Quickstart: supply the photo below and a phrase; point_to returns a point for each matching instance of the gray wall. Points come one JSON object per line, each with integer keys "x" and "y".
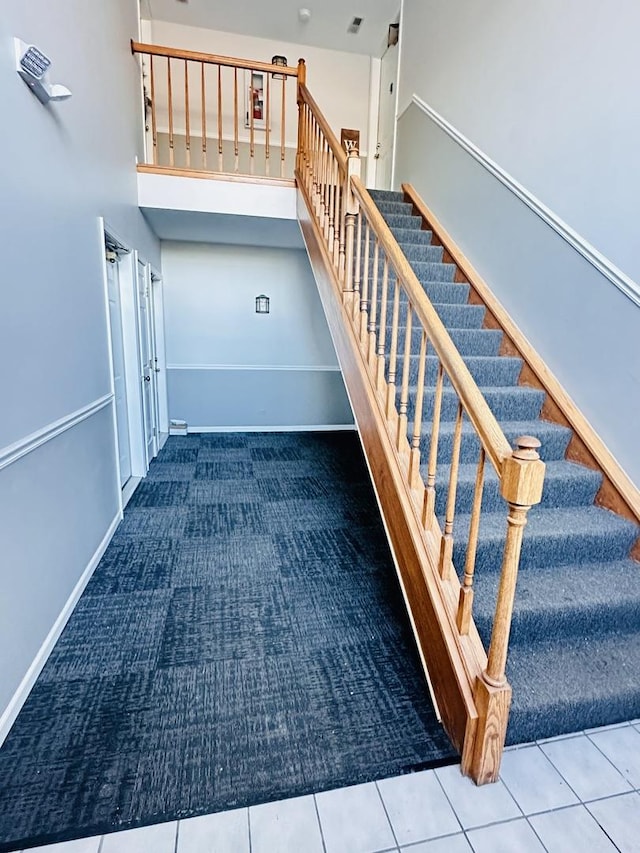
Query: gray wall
{"x": 227, "y": 365}
{"x": 544, "y": 90}
{"x": 61, "y": 167}
{"x": 549, "y": 91}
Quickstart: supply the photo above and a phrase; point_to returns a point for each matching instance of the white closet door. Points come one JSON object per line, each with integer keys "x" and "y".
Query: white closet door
{"x": 120, "y": 389}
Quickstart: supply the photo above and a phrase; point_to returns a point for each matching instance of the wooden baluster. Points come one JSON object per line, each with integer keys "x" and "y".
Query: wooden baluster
{"x": 521, "y": 483}
{"x": 267, "y": 129}
{"x": 382, "y": 336}
{"x": 283, "y": 127}
{"x": 330, "y": 194}
{"x": 302, "y": 123}
{"x": 465, "y": 603}
{"x": 325, "y": 188}
{"x": 203, "y": 107}
{"x": 251, "y": 126}
{"x": 429, "y": 509}
{"x": 357, "y": 273}
{"x": 342, "y": 234}
{"x": 393, "y": 350}
{"x": 170, "y": 102}
{"x": 187, "y": 118}
{"x": 220, "y": 146}
{"x": 414, "y": 458}
{"x": 371, "y": 354}
{"x": 235, "y": 120}
{"x": 401, "y": 435}
{"x": 364, "y": 286}
{"x": 154, "y": 127}
{"x": 337, "y": 198}
{"x": 446, "y": 544}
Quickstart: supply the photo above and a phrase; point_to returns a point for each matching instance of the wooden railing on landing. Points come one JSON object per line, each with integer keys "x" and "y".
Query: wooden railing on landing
{"x": 218, "y": 115}
{"x": 384, "y": 325}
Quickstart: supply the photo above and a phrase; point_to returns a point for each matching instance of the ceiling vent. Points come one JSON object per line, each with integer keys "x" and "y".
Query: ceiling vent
{"x": 354, "y": 26}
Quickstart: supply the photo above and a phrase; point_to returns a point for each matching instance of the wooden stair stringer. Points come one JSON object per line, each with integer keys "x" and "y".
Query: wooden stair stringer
{"x": 453, "y": 663}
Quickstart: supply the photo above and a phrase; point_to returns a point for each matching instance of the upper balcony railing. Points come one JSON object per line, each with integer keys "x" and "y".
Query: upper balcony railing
{"x": 219, "y": 114}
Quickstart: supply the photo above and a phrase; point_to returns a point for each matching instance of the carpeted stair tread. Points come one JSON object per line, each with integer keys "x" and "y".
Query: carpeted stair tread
{"x": 507, "y": 403}
{"x": 568, "y": 686}
{"x": 486, "y": 370}
{"x": 405, "y": 208}
{"x": 565, "y": 484}
{"x": 411, "y": 235}
{"x": 475, "y": 341}
{"x": 462, "y": 316}
{"x": 386, "y": 195}
{"x": 557, "y": 536}
{"x": 399, "y": 220}
{"x": 565, "y": 601}
{"x": 439, "y": 291}
{"x": 554, "y": 438}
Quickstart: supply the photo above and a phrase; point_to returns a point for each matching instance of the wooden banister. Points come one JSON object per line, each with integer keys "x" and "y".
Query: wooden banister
{"x": 212, "y": 59}
{"x": 481, "y": 416}
{"x": 381, "y": 305}
{"x": 252, "y": 130}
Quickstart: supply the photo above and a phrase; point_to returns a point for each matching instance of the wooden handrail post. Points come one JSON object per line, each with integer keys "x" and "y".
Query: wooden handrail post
{"x": 351, "y": 211}
{"x": 521, "y": 486}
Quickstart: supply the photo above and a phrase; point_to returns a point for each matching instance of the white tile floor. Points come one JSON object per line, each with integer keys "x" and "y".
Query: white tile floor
{"x": 575, "y": 793}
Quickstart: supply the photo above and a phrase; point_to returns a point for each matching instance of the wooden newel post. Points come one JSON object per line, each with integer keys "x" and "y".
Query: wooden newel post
{"x": 521, "y": 486}
{"x": 352, "y": 208}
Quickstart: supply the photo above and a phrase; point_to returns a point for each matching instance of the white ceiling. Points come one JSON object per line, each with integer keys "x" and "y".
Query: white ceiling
{"x": 278, "y": 19}
{"x": 197, "y": 227}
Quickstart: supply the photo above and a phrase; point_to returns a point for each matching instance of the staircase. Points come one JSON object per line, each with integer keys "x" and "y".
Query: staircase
{"x": 574, "y": 656}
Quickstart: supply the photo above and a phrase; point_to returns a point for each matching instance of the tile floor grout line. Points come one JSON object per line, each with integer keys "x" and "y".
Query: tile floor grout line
{"x": 533, "y": 829}
{"x": 175, "y": 849}
{"x": 249, "y": 829}
{"x": 315, "y": 803}
{"x": 575, "y": 793}
{"x": 602, "y": 827}
{"x": 384, "y": 806}
{"x": 446, "y": 796}
{"x": 619, "y": 769}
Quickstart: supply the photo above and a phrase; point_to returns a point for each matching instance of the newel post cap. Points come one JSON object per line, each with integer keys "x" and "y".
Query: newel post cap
{"x": 523, "y": 473}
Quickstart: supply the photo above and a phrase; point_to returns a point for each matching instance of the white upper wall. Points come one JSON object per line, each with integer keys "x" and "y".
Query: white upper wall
{"x": 549, "y": 91}
{"x": 339, "y": 81}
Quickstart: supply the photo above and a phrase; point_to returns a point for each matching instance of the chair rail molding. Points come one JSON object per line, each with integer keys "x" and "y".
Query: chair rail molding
{"x": 12, "y": 452}
{"x": 604, "y": 265}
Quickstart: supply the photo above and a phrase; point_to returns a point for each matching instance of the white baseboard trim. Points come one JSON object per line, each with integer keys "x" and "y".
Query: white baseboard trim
{"x": 25, "y": 445}
{"x": 129, "y": 488}
{"x": 306, "y": 368}
{"x": 20, "y": 696}
{"x": 604, "y": 265}
{"x": 309, "y": 428}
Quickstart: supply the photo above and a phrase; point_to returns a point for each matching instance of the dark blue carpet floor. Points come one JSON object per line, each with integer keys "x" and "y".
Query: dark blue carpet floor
{"x": 243, "y": 639}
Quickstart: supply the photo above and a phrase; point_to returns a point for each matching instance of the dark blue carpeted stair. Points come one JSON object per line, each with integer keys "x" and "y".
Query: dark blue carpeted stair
{"x": 574, "y": 659}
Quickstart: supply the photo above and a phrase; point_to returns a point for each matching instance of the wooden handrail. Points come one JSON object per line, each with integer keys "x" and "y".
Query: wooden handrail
{"x": 212, "y": 59}
{"x": 338, "y": 151}
{"x": 495, "y": 443}
{"x": 609, "y": 465}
